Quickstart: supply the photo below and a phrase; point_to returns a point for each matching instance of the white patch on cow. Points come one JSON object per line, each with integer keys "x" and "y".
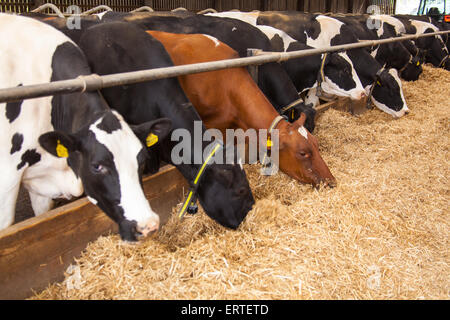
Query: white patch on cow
{"x": 271, "y": 32}
{"x": 92, "y": 200}
{"x": 396, "y": 23}
{"x": 311, "y": 97}
{"x": 249, "y": 17}
{"x": 374, "y": 52}
{"x": 233, "y": 29}
{"x": 216, "y": 42}
{"x": 303, "y": 132}
{"x": 422, "y": 26}
{"x": 26, "y": 51}
{"x": 40, "y": 204}
{"x": 329, "y": 28}
{"x": 133, "y": 201}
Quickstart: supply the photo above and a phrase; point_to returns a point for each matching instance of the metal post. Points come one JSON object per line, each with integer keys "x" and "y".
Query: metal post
{"x": 253, "y": 69}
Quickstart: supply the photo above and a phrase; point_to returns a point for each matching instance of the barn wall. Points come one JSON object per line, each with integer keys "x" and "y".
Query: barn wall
{"x": 20, "y": 6}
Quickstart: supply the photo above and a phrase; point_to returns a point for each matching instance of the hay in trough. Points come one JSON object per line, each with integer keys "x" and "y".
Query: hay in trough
{"x": 382, "y": 233}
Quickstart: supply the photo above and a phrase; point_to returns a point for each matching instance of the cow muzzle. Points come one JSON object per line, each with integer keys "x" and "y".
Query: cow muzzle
{"x": 358, "y": 95}
{"x": 148, "y": 227}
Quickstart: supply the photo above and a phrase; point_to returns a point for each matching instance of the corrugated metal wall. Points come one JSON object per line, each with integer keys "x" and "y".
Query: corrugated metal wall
{"x": 15, "y": 5}
{"x": 342, "y": 6}
{"x": 19, "y": 6}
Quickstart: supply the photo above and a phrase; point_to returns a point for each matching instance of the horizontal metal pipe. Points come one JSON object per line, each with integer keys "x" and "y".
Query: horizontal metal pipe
{"x": 95, "y": 82}
{"x": 96, "y": 9}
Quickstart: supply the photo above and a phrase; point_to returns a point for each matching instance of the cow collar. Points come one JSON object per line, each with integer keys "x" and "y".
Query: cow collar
{"x": 190, "y": 204}
{"x": 272, "y": 126}
{"x": 321, "y": 74}
{"x": 377, "y": 78}
{"x": 409, "y": 62}
{"x": 290, "y": 107}
{"x": 444, "y": 60}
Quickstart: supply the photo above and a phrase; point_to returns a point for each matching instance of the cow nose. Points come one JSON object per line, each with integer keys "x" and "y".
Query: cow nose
{"x": 363, "y": 95}
{"x": 359, "y": 95}
{"x": 331, "y": 183}
{"x": 146, "y": 228}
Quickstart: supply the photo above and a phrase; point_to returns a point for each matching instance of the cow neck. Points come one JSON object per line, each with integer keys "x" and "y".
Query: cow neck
{"x": 72, "y": 112}
{"x": 255, "y": 112}
{"x": 190, "y": 204}
{"x": 366, "y": 66}
{"x": 286, "y": 92}
{"x": 185, "y": 117}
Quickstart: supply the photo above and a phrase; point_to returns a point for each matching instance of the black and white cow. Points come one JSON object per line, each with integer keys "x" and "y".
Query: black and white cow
{"x": 272, "y": 79}
{"x": 339, "y": 76}
{"x": 436, "y": 51}
{"x": 320, "y": 31}
{"x": 223, "y": 191}
{"x": 391, "y": 55}
{"x": 63, "y": 145}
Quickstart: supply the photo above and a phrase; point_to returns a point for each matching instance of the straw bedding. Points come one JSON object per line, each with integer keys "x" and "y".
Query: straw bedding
{"x": 382, "y": 233}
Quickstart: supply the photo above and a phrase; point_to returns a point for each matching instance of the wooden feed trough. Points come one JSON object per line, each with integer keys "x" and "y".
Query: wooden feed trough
{"x": 37, "y": 251}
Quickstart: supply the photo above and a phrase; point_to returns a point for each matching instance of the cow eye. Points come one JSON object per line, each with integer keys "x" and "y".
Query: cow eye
{"x": 304, "y": 154}
{"x": 98, "y": 168}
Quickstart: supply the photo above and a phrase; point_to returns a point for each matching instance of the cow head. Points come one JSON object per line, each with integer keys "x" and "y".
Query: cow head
{"x": 341, "y": 78}
{"x": 397, "y": 56}
{"x": 109, "y": 159}
{"x": 387, "y": 93}
{"x": 225, "y": 194}
{"x": 299, "y": 155}
{"x": 412, "y": 70}
{"x": 436, "y": 50}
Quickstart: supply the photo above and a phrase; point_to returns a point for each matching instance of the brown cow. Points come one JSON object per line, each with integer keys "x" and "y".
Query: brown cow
{"x": 230, "y": 99}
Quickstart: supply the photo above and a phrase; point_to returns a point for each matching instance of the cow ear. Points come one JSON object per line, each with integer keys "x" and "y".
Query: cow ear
{"x": 150, "y": 133}
{"x": 58, "y": 143}
{"x": 300, "y": 122}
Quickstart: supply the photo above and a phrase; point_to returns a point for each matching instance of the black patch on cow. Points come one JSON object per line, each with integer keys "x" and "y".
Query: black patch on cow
{"x": 31, "y": 157}
{"x": 313, "y": 29}
{"x": 13, "y": 109}
{"x": 72, "y": 111}
{"x": 16, "y": 142}
{"x": 109, "y": 123}
{"x": 339, "y": 71}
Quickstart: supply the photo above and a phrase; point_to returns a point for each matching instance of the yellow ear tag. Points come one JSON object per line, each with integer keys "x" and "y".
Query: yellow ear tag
{"x": 61, "y": 151}
{"x": 418, "y": 63}
{"x": 269, "y": 143}
{"x": 378, "y": 83}
{"x": 151, "y": 139}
